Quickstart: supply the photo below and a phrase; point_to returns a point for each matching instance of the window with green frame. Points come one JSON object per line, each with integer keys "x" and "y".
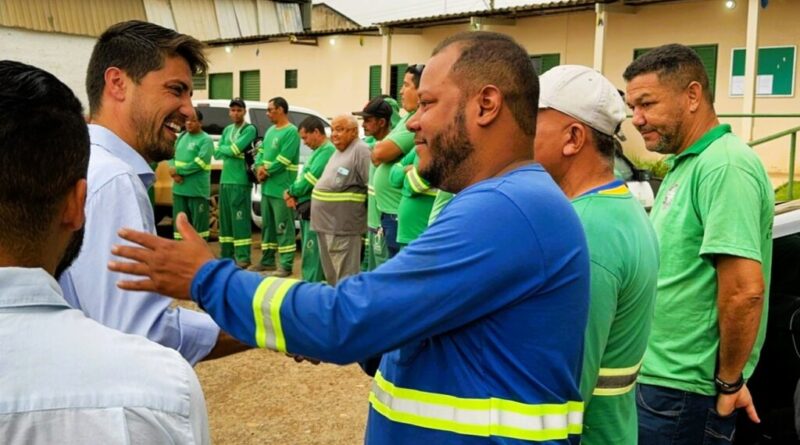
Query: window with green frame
{"x": 374, "y": 81}
{"x": 220, "y": 86}
{"x": 543, "y": 62}
{"x": 395, "y": 80}
{"x": 250, "y": 85}
{"x": 290, "y": 79}
{"x": 708, "y": 55}
{"x": 199, "y": 81}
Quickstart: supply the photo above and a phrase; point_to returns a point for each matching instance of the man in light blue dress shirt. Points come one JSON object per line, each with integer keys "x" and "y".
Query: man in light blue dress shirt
{"x": 65, "y": 378}
{"x": 139, "y": 84}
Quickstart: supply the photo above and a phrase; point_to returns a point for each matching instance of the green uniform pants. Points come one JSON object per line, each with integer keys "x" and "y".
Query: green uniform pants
{"x": 378, "y": 252}
{"x": 312, "y": 265}
{"x": 367, "y": 253}
{"x": 235, "y": 236}
{"x": 195, "y": 208}
{"x": 277, "y": 232}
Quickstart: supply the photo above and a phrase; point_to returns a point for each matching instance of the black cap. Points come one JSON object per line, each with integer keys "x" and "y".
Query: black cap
{"x": 377, "y": 107}
{"x": 237, "y": 102}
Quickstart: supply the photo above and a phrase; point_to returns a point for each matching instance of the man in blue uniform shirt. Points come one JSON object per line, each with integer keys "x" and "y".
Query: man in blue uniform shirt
{"x": 480, "y": 320}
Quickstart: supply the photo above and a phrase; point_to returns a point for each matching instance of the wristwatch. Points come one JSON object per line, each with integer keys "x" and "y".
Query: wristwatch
{"x": 724, "y": 387}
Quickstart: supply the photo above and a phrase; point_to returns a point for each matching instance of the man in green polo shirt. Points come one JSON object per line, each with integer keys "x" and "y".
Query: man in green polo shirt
{"x": 277, "y": 162}
{"x": 390, "y": 150}
{"x": 580, "y": 113}
{"x": 713, "y": 217}
{"x": 235, "y": 236}
{"x": 298, "y": 195}
{"x": 191, "y": 173}
{"x": 416, "y": 201}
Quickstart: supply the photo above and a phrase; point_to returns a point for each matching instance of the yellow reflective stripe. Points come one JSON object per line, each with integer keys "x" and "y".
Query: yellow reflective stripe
{"x": 266, "y": 311}
{"x": 242, "y": 242}
{"x": 616, "y": 381}
{"x": 431, "y": 192}
{"x": 310, "y": 178}
{"x": 416, "y": 182}
{"x": 476, "y": 417}
{"x": 177, "y": 236}
{"x": 205, "y": 234}
{"x": 181, "y": 164}
{"x": 287, "y": 249}
{"x": 371, "y": 190}
{"x": 292, "y": 168}
{"x": 621, "y": 190}
{"x": 225, "y": 239}
{"x": 338, "y": 196}
{"x": 283, "y": 160}
{"x": 235, "y": 150}
{"x": 268, "y": 246}
{"x": 201, "y": 163}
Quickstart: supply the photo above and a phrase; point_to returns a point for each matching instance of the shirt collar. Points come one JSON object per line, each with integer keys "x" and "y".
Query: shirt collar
{"x": 21, "y": 287}
{"x": 106, "y": 139}
{"x": 701, "y": 144}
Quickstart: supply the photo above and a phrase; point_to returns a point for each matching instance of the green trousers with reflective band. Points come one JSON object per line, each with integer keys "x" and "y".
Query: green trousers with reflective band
{"x": 235, "y": 236}
{"x": 195, "y": 208}
{"x": 277, "y": 232}
{"x": 375, "y": 252}
{"x": 312, "y": 266}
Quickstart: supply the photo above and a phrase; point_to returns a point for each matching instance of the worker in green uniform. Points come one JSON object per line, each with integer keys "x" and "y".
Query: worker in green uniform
{"x": 276, "y": 169}
{"x": 235, "y": 237}
{"x": 377, "y": 117}
{"x": 298, "y": 195}
{"x": 580, "y": 113}
{"x": 441, "y": 200}
{"x": 416, "y": 201}
{"x": 190, "y": 171}
{"x": 390, "y": 150}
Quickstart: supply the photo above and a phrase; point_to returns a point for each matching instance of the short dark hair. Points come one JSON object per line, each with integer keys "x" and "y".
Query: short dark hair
{"x": 312, "y": 123}
{"x": 493, "y": 58}
{"x": 137, "y": 48}
{"x": 44, "y": 152}
{"x": 416, "y": 73}
{"x": 673, "y": 63}
{"x": 280, "y": 103}
{"x": 605, "y": 144}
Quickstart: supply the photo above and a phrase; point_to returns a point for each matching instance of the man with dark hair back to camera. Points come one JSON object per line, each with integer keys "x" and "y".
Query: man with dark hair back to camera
{"x": 139, "y": 83}
{"x": 65, "y": 378}
{"x": 480, "y": 345}
{"x": 298, "y": 195}
{"x": 277, "y": 163}
{"x": 713, "y": 217}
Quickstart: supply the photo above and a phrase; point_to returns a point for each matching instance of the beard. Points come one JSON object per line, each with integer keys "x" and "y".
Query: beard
{"x": 150, "y": 139}
{"x": 449, "y": 149}
{"x": 667, "y": 141}
{"x": 71, "y": 252}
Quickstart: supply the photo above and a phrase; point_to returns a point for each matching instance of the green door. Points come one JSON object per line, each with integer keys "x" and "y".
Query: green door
{"x": 250, "y": 85}
{"x": 220, "y": 86}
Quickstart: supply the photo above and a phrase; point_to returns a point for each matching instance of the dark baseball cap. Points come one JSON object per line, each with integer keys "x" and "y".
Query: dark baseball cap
{"x": 237, "y": 102}
{"x": 377, "y": 107}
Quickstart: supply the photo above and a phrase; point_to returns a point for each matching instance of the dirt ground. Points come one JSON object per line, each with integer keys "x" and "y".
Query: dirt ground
{"x": 264, "y": 397}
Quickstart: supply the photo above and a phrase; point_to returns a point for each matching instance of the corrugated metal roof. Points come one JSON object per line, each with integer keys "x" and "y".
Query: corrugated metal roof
{"x": 82, "y": 17}
{"x": 365, "y": 30}
{"x": 289, "y": 17}
{"x": 197, "y": 18}
{"x": 159, "y": 12}
{"x": 511, "y": 11}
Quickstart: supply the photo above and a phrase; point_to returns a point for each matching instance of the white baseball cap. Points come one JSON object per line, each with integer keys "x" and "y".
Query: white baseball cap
{"x": 584, "y": 94}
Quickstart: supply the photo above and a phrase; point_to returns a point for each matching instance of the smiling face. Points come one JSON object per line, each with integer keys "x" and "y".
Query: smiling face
{"x": 159, "y": 106}
{"x": 658, "y": 112}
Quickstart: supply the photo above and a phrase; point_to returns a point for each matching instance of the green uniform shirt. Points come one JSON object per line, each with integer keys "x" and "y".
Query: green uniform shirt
{"x": 623, "y": 249}
{"x": 386, "y": 195}
{"x": 280, "y": 154}
{"x": 232, "y": 145}
{"x": 193, "y": 162}
{"x": 442, "y": 198}
{"x": 301, "y": 188}
{"x": 416, "y": 201}
{"x": 715, "y": 199}
{"x": 373, "y": 214}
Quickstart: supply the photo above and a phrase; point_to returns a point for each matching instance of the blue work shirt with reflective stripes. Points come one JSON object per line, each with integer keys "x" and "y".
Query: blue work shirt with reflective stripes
{"x": 481, "y": 319}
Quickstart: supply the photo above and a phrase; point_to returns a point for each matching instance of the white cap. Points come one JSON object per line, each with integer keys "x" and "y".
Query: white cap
{"x": 584, "y": 94}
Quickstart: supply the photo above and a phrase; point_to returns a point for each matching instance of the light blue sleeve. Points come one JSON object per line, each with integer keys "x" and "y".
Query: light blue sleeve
{"x": 88, "y": 284}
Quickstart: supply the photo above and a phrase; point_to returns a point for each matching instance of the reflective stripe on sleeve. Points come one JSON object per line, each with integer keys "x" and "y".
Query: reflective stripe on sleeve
{"x": 283, "y": 160}
{"x": 201, "y": 163}
{"x": 310, "y": 178}
{"x": 338, "y": 196}
{"x": 267, "y": 312}
{"x": 292, "y": 168}
{"x": 416, "y": 182}
{"x": 371, "y": 190}
{"x": 476, "y": 417}
{"x": 181, "y": 164}
{"x": 616, "y": 381}
{"x": 235, "y": 150}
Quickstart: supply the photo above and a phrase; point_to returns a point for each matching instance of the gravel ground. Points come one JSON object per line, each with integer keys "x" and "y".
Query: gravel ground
{"x": 265, "y": 397}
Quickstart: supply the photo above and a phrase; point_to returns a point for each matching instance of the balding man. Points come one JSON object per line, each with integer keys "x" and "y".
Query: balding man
{"x": 338, "y": 211}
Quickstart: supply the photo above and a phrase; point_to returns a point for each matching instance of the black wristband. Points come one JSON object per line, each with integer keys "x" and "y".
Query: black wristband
{"x": 729, "y": 388}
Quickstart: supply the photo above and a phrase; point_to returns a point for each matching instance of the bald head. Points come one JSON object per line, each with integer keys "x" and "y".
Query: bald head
{"x": 344, "y": 130}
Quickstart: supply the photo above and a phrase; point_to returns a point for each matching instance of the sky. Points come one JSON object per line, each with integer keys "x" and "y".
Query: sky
{"x": 367, "y": 12}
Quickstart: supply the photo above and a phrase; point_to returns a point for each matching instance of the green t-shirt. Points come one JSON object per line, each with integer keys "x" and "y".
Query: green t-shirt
{"x": 416, "y": 201}
{"x": 312, "y": 171}
{"x": 715, "y": 199}
{"x": 232, "y": 145}
{"x": 442, "y": 198}
{"x": 623, "y": 249}
{"x": 193, "y": 162}
{"x": 386, "y": 195}
{"x": 280, "y": 153}
{"x": 373, "y": 214}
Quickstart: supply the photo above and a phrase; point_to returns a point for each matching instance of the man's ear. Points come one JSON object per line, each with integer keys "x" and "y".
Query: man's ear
{"x": 490, "y": 102}
{"x": 73, "y": 217}
{"x": 694, "y": 93}
{"x": 576, "y": 139}
{"x": 116, "y": 83}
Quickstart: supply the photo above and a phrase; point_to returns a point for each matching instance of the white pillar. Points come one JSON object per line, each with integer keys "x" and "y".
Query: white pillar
{"x": 750, "y": 69}
{"x": 599, "y": 35}
{"x": 386, "y": 60}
